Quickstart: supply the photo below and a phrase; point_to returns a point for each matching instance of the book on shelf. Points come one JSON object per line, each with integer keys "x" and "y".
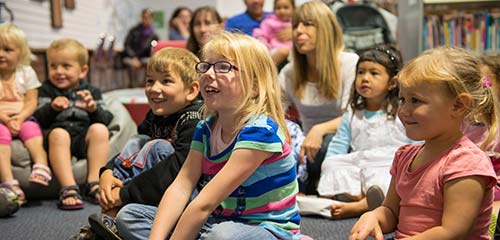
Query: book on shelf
{"x": 478, "y": 31}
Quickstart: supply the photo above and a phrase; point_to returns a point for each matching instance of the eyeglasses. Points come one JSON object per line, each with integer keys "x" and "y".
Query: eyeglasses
{"x": 219, "y": 67}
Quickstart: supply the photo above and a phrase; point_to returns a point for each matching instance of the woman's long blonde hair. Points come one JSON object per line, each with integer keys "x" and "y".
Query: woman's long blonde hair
{"x": 257, "y": 75}
{"x": 329, "y": 44}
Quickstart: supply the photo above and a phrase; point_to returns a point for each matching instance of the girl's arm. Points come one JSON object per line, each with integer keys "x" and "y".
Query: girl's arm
{"x": 341, "y": 142}
{"x": 176, "y": 196}
{"x": 462, "y": 203}
{"x": 314, "y": 138}
{"x": 30, "y": 102}
{"x": 381, "y": 220}
{"x": 242, "y": 164}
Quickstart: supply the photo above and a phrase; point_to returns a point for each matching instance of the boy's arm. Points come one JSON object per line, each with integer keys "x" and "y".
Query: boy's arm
{"x": 44, "y": 112}
{"x": 100, "y": 115}
{"x": 462, "y": 203}
{"x": 162, "y": 174}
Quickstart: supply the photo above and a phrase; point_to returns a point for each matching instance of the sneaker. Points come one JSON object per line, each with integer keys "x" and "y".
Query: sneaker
{"x": 375, "y": 197}
{"x": 104, "y": 226}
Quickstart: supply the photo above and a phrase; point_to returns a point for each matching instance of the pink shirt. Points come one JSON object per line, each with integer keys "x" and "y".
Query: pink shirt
{"x": 421, "y": 191}
{"x": 12, "y": 91}
{"x": 268, "y": 31}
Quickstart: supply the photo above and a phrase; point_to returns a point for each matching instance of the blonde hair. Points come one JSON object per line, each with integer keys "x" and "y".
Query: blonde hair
{"x": 10, "y": 33}
{"x": 491, "y": 118}
{"x": 329, "y": 44}
{"x": 257, "y": 75}
{"x": 179, "y": 60}
{"x": 458, "y": 70}
{"x": 73, "y": 45}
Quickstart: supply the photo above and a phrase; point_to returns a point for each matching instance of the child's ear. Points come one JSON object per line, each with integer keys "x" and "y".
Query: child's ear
{"x": 193, "y": 91}
{"x": 393, "y": 83}
{"x": 462, "y": 104}
{"x": 83, "y": 73}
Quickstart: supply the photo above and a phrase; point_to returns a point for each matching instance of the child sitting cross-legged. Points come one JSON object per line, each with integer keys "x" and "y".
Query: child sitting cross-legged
{"x": 149, "y": 162}
{"x": 356, "y": 167}
{"x": 74, "y": 120}
{"x": 443, "y": 188}
{"x": 239, "y": 157}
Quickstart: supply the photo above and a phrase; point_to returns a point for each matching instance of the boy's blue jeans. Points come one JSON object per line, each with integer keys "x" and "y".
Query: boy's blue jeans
{"x": 140, "y": 154}
{"x": 134, "y": 221}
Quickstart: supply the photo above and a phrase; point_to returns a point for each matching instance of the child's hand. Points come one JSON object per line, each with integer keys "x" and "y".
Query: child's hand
{"x": 109, "y": 192}
{"x": 87, "y": 103}
{"x": 284, "y": 34}
{"x": 367, "y": 225}
{"x": 60, "y": 103}
{"x": 14, "y": 125}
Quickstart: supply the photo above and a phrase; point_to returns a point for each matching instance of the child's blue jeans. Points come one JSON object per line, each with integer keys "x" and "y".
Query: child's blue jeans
{"x": 140, "y": 154}
{"x": 134, "y": 221}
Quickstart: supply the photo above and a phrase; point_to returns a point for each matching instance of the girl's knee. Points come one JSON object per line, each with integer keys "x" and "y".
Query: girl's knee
{"x": 29, "y": 130}
{"x": 5, "y": 135}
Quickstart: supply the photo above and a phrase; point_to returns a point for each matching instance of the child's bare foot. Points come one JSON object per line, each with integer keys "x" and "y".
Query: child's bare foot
{"x": 343, "y": 210}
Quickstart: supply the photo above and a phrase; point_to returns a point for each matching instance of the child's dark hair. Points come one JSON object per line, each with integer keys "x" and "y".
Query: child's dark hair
{"x": 389, "y": 57}
{"x": 291, "y": 1}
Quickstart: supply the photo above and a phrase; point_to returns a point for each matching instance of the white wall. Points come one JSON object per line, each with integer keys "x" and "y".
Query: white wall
{"x": 90, "y": 18}
{"x": 85, "y": 22}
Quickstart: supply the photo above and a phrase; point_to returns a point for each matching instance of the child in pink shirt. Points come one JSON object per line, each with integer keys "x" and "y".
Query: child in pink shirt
{"x": 442, "y": 189}
{"x": 272, "y": 26}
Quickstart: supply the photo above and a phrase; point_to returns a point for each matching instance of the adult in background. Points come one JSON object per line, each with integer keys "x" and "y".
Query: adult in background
{"x": 249, "y": 20}
{"x": 318, "y": 81}
{"x": 205, "y": 21}
{"x": 179, "y": 24}
{"x": 137, "y": 48}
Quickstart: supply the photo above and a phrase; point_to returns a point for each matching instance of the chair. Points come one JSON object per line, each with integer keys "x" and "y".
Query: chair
{"x": 170, "y": 43}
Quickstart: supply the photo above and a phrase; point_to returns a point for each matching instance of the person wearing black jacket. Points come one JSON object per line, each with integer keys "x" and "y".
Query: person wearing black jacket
{"x": 138, "y": 45}
{"x": 148, "y": 186}
{"x": 73, "y": 119}
{"x": 149, "y": 162}
{"x": 146, "y": 166}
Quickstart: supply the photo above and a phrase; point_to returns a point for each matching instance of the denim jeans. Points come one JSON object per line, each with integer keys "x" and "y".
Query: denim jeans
{"x": 140, "y": 154}
{"x": 134, "y": 221}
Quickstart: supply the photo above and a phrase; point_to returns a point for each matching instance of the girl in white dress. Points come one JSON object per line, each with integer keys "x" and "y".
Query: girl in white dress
{"x": 361, "y": 152}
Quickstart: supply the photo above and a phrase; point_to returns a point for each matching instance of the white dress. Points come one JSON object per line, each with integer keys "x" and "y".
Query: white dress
{"x": 373, "y": 145}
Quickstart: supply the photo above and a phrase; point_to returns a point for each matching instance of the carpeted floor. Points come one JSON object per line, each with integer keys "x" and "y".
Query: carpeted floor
{"x": 42, "y": 220}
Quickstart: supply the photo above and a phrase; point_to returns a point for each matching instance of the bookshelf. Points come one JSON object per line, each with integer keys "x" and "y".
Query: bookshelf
{"x": 473, "y": 24}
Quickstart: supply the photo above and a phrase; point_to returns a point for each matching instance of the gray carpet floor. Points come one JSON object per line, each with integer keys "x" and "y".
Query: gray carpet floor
{"x": 41, "y": 219}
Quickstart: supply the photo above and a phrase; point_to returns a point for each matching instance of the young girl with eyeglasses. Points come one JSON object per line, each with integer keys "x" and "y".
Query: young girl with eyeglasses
{"x": 443, "y": 188}
{"x": 240, "y": 156}
{"x": 359, "y": 156}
